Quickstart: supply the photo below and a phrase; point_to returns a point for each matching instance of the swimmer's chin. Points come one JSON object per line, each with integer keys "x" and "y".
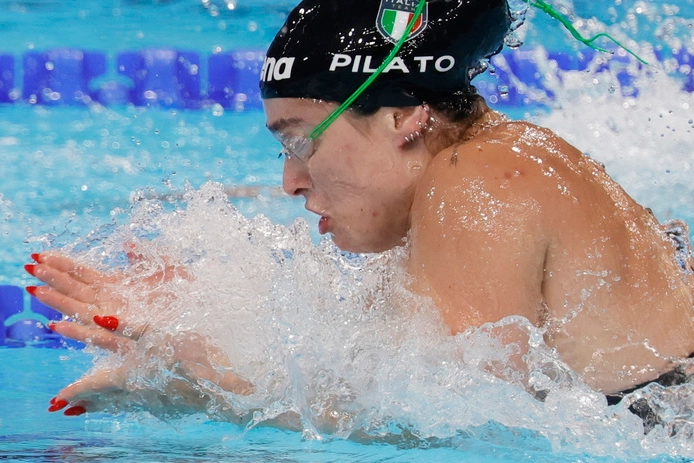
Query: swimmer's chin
{"x": 345, "y": 244}
{"x": 346, "y": 241}
{"x": 356, "y": 246}
{"x": 324, "y": 225}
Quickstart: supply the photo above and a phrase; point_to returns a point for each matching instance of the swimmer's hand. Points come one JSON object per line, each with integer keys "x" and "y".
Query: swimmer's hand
{"x": 93, "y": 299}
{"x": 185, "y": 374}
{"x": 195, "y": 369}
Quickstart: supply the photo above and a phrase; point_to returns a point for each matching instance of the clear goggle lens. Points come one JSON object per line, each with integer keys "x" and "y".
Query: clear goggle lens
{"x": 296, "y": 146}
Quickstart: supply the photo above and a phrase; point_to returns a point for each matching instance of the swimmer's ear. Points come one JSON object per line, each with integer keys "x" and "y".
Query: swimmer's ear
{"x": 407, "y": 124}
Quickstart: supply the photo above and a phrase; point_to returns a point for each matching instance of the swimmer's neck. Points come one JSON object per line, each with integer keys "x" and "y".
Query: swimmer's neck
{"x": 486, "y": 119}
{"x": 453, "y": 133}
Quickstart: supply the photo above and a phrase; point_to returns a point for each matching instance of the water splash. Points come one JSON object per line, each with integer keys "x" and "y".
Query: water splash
{"x": 292, "y": 315}
{"x": 643, "y": 141}
{"x": 338, "y": 343}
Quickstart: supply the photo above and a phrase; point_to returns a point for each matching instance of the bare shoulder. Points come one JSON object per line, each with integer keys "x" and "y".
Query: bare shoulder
{"x": 480, "y": 214}
{"x": 505, "y": 145}
{"x": 524, "y": 180}
{"x": 512, "y": 161}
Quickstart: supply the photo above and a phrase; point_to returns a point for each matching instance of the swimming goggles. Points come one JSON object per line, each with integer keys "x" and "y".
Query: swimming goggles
{"x": 301, "y": 147}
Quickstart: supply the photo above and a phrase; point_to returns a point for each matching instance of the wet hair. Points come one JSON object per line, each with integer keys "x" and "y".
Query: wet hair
{"x": 328, "y": 48}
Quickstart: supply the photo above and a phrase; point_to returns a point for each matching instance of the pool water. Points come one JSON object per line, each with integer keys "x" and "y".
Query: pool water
{"x": 68, "y": 170}
{"x": 84, "y": 173}
{"x": 30, "y": 434}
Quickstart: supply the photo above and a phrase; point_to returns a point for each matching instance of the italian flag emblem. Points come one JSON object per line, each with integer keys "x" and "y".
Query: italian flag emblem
{"x": 395, "y": 15}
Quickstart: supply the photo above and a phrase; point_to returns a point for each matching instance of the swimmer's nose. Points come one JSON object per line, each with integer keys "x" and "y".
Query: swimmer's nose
{"x": 295, "y": 177}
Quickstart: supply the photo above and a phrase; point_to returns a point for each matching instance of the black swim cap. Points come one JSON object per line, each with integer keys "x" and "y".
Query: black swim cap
{"x": 328, "y": 48}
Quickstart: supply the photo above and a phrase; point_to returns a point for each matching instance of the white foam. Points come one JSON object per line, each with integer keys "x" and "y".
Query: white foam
{"x": 322, "y": 333}
{"x": 644, "y": 142}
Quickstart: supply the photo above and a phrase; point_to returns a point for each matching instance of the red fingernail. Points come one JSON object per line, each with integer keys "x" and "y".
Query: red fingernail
{"x": 58, "y": 405}
{"x": 75, "y": 411}
{"x": 31, "y": 290}
{"x": 108, "y": 322}
{"x": 36, "y": 257}
{"x": 51, "y": 326}
{"x": 53, "y": 400}
{"x": 31, "y": 269}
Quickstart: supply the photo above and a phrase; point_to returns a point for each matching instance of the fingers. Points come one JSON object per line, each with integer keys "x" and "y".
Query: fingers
{"x": 84, "y": 313}
{"x": 58, "y": 404}
{"x": 63, "y": 282}
{"x": 114, "y": 324}
{"x": 93, "y": 385}
{"x": 89, "y": 393}
{"x": 90, "y": 334}
{"x": 72, "y": 289}
{"x": 62, "y": 303}
{"x": 64, "y": 264}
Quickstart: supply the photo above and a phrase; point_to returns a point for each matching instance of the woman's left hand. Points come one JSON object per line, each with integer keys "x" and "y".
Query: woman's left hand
{"x": 90, "y": 298}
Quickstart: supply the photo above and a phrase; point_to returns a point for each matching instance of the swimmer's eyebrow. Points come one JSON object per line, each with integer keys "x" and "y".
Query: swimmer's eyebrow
{"x": 283, "y": 123}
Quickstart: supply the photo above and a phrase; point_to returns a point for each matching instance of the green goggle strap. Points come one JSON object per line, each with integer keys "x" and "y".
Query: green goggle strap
{"x": 315, "y": 133}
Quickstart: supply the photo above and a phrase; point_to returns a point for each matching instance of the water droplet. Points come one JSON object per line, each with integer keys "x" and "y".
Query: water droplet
{"x": 512, "y": 41}
{"x": 217, "y": 110}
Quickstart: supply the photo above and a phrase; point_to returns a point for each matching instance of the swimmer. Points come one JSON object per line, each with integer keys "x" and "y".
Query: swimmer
{"x": 501, "y": 218}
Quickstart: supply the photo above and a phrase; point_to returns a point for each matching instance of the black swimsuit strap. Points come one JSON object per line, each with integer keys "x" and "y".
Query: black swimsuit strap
{"x": 671, "y": 378}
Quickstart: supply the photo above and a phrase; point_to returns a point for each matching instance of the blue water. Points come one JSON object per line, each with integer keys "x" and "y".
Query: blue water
{"x": 29, "y": 434}
{"x": 66, "y": 171}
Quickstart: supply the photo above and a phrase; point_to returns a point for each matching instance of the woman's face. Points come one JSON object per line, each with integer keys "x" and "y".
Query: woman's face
{"x": 359, "y": 180}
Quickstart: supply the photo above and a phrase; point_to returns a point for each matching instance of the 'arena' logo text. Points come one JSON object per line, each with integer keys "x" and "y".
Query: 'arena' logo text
{"x": 277, "y": 69}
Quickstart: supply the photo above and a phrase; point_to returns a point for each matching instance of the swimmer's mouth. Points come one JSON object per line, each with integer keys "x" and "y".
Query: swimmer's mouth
{"x": 323, "y": 222}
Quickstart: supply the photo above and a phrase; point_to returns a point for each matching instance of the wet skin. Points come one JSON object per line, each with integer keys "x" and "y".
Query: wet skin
{"x": 360, "y": 186}
{"x": 512, "y": 221}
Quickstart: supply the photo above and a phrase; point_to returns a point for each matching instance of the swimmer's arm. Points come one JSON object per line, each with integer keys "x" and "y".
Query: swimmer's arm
{"x": 479, "y": 246}
{"x": 478, "y": 239}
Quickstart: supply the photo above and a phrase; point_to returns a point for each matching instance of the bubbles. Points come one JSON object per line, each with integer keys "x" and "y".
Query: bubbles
{"x": 513, "y": 41}
{"x": 217, "y": 109}
{"x": 518, "y": 10}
